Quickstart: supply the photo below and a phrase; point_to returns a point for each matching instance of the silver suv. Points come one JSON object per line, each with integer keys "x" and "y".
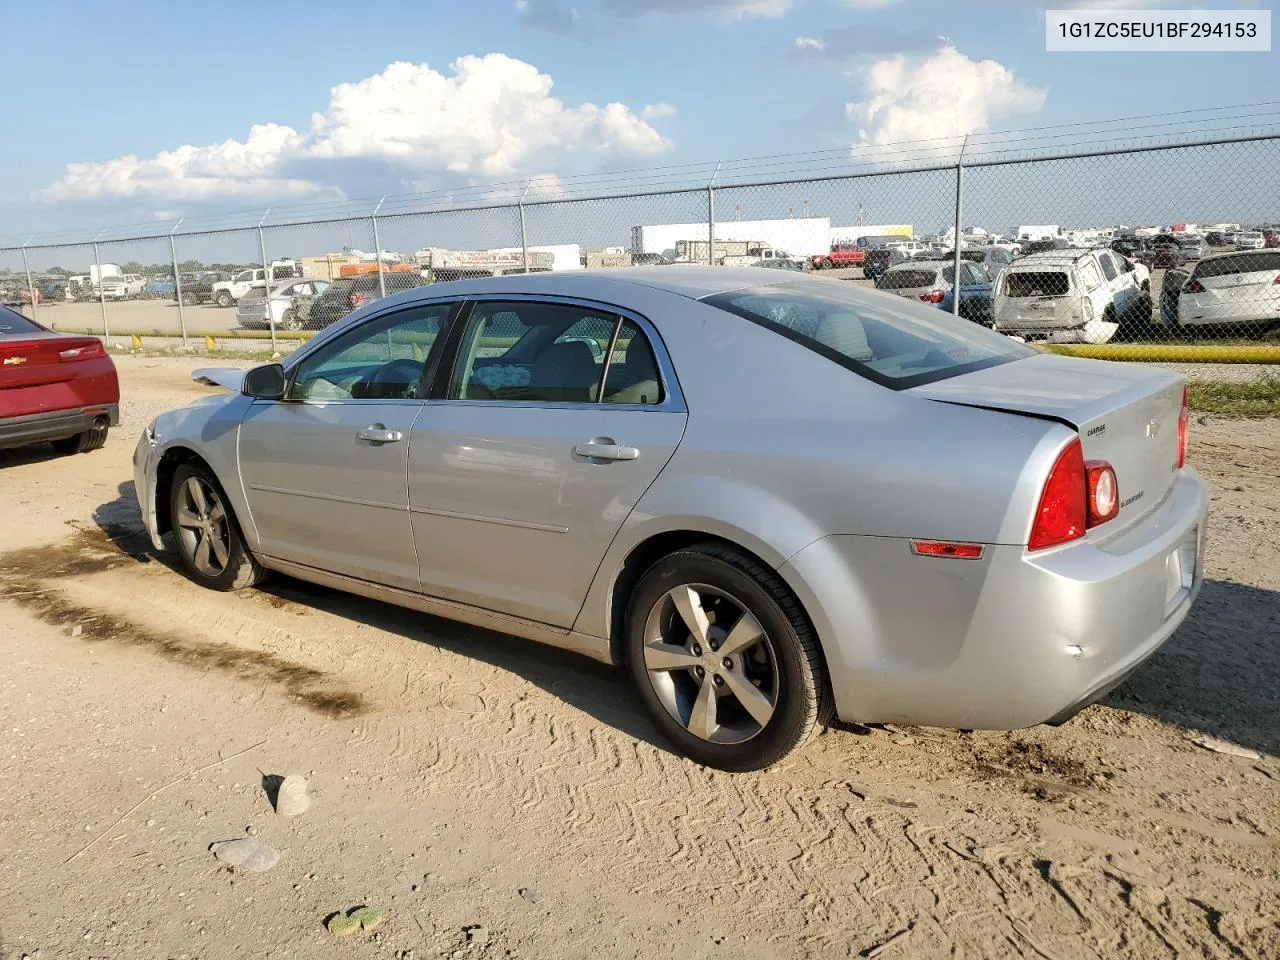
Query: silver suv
{"x": 1070, "y": 296}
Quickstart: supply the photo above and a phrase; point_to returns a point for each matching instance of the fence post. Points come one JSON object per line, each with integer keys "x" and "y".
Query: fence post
{"x": 524, "y": 237}
{"x": 377, "y": 250}
{"x": 711, "y": 217}
{"x": 266, "y": 280}
{"x": 955, "y": 268}
{"x": 177, "y": 281}
{"x": 26, "y": 268}
{"x": 102, "y": 289}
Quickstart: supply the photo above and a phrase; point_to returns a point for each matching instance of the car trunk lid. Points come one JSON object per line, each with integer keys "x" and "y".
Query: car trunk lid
{"x": 43, "y": 358}
{"x": 1124, "y": 414}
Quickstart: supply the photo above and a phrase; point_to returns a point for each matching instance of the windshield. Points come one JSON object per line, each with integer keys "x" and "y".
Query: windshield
{"x": 14, "y": 324}
{"x": 887, "y": 339}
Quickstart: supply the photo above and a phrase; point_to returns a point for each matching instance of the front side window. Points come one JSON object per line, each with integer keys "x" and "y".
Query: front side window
{"x": 553, "y": 353}
{"x": 380, "y": 360}
{"x": 1108, "y": 268}
{"x": 891, "y": 341}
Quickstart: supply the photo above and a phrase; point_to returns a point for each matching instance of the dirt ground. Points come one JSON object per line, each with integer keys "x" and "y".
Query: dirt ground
{"x": 499, "y": 799}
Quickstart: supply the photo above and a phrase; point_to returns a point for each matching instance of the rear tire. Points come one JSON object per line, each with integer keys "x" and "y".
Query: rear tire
{"x": 784, "y": 693}
{"x": 290, "y": 321}
{"x": 224, "y": 299}
{"x": 207, "y": 536}
{"x": 91, "y": 439}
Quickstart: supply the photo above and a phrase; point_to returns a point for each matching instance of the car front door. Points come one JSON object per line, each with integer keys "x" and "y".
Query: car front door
{"x": 324, "y": 468}
{"x": 524, "y": 467}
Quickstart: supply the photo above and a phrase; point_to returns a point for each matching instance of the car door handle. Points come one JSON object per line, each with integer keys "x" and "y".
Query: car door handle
{"x": 605, "y": 449}
{"x": 377, "y": 433}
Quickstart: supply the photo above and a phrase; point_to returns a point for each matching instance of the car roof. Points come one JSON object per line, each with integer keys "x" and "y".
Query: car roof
{"x": 1238, "y": 253}
{"x": 1064, "y": 257}
{"x": 694, "y": 282}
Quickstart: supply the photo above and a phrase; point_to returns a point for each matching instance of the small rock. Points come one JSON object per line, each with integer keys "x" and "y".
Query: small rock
{"x": 247, "y": 854}
{"x": 413, "y": 888}
{"x": 1203, "y": 421}
{"x": 476, "y": 934}
{"x": 251, "y": 830}
{"x": 76, "y": 630}
{"x": 530, "y": 895}
{"x": 293, "y": 798}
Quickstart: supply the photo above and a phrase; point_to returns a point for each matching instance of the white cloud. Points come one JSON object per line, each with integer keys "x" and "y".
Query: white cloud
{"x": 869, "y": 4}
{"x": 166, "y": 214}
{"x": 809, "y": 43}
{"x": 231, "y": 168}
{"x": 944, "y": 94}
{"x": 545, "y": 186}
{"x": 656, "y": 111}
{"x": 494, "y": 115}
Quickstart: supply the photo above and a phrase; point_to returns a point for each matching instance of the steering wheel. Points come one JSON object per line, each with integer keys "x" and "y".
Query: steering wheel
{"x": 397, "y": 380}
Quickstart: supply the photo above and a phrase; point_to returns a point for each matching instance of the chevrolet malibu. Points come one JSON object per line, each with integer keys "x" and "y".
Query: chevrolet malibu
{"x": 773, "y": 499}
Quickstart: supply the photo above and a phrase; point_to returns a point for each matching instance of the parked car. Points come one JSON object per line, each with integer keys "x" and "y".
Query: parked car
{"x": 931, "y": 281}
{"x": 880, "y": 259}
{"x": 1069, "y": 296}
{"x": 1165, "y": 252}
{"x": 1232, "y": 288}
{"x": 197, "y": 288}
{"x": 1192, "y": 247}
{"x": 54, "y": 387}
{"x": 347, "y": 293}
{"x": 1250, "y": 240}
{"x": 996, "y": 487}
{"x": 251, "y": 310}
{"x": 1215, "y": 238}
{"x": 134, "y": 285}
{"x": 992, "y": 258}
{"x": 1271, "y": 238}
{"x": 161, "y": 288}
{"x": 227, "y": 292}
{"x": 841, "y": 255}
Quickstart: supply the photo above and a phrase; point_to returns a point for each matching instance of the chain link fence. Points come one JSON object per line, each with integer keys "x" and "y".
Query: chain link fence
{"x": 1172, "y": 245}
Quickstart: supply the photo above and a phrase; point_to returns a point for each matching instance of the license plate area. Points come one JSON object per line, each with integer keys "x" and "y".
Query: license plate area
{"x": 1180, "y": 572}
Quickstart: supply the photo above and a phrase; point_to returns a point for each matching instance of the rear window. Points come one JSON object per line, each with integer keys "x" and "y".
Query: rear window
{"x": 888, "y": 340}
{"x": 903, "y": 279}
{"x": 1036, "y": 283}
{"x": 1240, "y": 263}
{"x": 14, "y": 324}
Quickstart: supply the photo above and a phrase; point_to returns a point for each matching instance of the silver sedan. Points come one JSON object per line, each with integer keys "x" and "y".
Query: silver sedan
{"x": 775, "y": 499}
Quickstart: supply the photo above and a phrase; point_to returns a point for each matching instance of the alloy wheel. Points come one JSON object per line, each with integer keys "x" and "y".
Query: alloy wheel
{"x": 202, "y": 527}
{"x": 711, "y": 663}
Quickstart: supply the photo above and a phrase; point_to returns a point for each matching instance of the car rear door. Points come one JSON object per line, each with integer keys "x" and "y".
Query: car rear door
{"x": 522, "y": 469}
{"x": 324, "y": 469}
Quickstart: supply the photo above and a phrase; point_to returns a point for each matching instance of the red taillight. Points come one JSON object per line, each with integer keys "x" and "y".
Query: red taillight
{"x": 1104, "y": 492}
{"x": 1276, "y": 281}
{"x": 945, "y": 548}
{"x": 933, "y": 296}
{"x": 86, "y": 352}
{"x": 1182, "y": 431}
{"x": 1195, "y": 286}
{"x": 1062, "y": 514}
{"x": 357, "y": 299}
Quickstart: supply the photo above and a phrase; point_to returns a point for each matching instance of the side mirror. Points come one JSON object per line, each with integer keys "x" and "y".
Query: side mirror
{"x": 266, "y": 382}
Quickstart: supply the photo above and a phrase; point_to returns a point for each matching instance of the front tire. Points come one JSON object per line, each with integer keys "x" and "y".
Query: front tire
{"x": 724, "y": 659}
{"x": 290, "y": 321}
{"x": 208, "y": 538}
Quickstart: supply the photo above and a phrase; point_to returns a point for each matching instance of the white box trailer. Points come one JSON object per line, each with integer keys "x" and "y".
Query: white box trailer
{"x": 799, "y": 236}
{"x": 1038, "y": 231}
{"x": 564, "y": 256}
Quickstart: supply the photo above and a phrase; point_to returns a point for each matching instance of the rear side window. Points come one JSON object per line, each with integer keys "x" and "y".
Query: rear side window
{"x": 1108, "y": 268}
{"x": 888, "y": 340}
{"x": 1036, "y": 283}
{"x": 14, "y": 324}
{"x": 904, "y": 279}
{"x": 1239, "y": 263}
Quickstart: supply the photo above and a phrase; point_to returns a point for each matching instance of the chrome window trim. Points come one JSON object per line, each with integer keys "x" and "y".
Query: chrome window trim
{"x": 672, "y": 399}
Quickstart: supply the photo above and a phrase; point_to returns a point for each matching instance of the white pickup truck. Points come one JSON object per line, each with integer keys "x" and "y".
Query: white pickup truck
{"x": 227, "y": 292}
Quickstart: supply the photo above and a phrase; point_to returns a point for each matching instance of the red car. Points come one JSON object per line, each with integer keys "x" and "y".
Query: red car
{"x": 841, "y": 255}
{"x": 54, "y": 387}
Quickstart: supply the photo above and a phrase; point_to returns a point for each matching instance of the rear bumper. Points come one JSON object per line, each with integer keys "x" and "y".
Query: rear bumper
{"x": 1011, "y": 640}
{"x": 54, "y": 424}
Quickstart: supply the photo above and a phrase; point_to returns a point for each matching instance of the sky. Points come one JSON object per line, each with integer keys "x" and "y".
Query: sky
{"x": 148, "y": 112}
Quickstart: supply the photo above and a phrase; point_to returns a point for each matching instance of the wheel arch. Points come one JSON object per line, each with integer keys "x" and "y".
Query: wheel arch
{"x": 170, "y": 460}
{"x": 644, "y": 554}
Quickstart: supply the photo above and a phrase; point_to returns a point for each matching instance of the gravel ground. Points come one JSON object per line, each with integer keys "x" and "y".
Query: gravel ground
{"x": 1233, "y": 372}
